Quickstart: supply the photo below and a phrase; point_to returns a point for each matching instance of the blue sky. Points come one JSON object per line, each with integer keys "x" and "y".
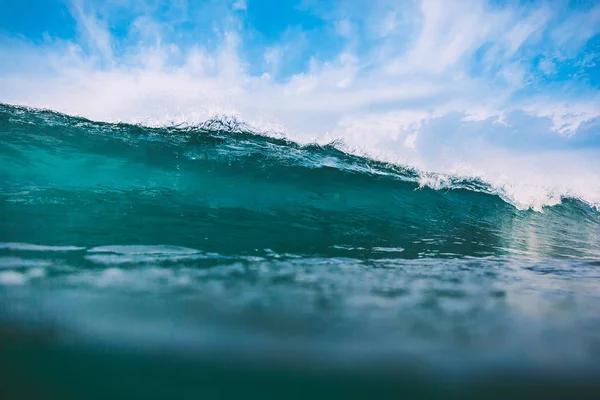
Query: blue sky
{"x": 423, "y": 82}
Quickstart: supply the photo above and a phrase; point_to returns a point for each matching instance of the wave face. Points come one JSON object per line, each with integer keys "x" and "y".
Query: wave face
{"x": 236, "y": 240}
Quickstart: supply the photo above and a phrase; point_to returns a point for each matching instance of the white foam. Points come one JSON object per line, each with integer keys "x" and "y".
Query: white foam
{"x": 388, "y": 249}
{"x": 138, "y": 279}
{"x": 532, "y": 197}
{"x": 141, "y": 254}
{"x": 36, "y": 247}
{"x": 116, "y": 259}
{"x": 36, "y": 273}
{"x": 525, "y": 189}
{"x": 144, "y": 250}
{"x": 17, "y": 262}
{"x": 345, "y": 247}
{"x": 12, "y": 278}
{"x": 434, "y": 181}
{"x": 110, "y": 276}
{"x": 15, "y": 278}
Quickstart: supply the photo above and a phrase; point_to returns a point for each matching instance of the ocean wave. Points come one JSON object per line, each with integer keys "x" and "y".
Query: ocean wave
{"x": 240, "y": 138}
{"x": 222, "y": 188}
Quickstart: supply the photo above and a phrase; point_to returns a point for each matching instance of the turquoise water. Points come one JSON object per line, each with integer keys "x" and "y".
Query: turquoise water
{"x": 209, "y": 260}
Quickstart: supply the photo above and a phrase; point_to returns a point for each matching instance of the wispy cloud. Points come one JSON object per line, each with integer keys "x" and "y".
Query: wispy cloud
{"x": 94, "y": 30}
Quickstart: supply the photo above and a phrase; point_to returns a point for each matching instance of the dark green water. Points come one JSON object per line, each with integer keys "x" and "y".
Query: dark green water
{"x": 212, "y": 262}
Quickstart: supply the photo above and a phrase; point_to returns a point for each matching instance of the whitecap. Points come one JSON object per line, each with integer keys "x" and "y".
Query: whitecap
{"x": 12, "y": 278}
{"x": 36, "y": 247}
{"x": 388, "y": 249}
{"x": 17, "y": 262}
{"x": 144, "y": 250}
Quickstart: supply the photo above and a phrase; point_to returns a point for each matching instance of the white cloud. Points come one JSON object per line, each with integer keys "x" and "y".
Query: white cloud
{"x": 272, "y": 57}
{"x": 388, "y": 24}
{"x": 547, "y": 66}
{"x": 94, "y": 30}
{"x": 524, "y": 30}
{"x": 343, "y": 28}
{"x": 576, "y": 30}
{"x": 447, "y": 34}
{"x": 240, "y": 5}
